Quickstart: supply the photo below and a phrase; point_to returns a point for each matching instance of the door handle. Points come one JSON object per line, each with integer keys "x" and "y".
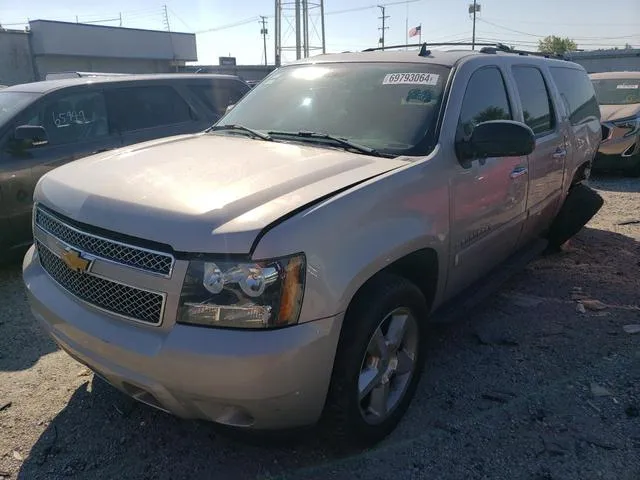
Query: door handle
{"x": 518, "y": 172}
{"x": 559, "y": 154}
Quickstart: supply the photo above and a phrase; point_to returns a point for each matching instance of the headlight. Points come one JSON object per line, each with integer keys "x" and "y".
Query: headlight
{"x": 632, "y": 124}
{"x": 263, "y": 294}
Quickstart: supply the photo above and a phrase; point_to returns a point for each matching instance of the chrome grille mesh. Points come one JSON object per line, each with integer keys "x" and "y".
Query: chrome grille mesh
{"x": 155, "y": 262}
{"x": 114, "y": 297}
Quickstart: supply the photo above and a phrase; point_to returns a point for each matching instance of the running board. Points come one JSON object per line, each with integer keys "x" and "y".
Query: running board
{"x": 463, "y": 303}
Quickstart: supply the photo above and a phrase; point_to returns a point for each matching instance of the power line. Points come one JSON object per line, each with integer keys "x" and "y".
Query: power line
{"x": 369, "y": 7}
{"x": 543, "y": 36}
{"x": 180, "y": 19}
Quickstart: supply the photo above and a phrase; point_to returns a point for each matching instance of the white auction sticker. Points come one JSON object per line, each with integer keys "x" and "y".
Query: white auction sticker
{"x": 411, "y": 79}
{"x": 627, "y": 86}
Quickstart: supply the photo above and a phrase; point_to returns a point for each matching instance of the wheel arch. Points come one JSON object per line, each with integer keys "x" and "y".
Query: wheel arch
{"x": 420, "y": 267}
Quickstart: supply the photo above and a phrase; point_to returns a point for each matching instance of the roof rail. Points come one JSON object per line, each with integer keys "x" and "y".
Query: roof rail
{"x": 486, "y": 48}
{"x": 426, "y": 44}
{"x": 499, "y": 47}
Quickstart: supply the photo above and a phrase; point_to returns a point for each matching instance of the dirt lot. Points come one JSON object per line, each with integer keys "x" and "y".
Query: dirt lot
{"x": 530, "y": 388}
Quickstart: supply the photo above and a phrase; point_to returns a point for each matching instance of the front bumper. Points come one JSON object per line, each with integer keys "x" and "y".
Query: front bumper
{"x": 615, "y": 162}
{"x": 253, "y": 379}
{"x": 617, "y": 151}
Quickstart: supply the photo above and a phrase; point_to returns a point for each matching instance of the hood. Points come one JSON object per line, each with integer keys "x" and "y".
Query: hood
{"x": 616, "y": 112}
{"x": 201, "y": 193}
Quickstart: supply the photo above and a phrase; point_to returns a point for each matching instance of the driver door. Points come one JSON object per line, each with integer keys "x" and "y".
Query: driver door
{"x": 488, "y": 196}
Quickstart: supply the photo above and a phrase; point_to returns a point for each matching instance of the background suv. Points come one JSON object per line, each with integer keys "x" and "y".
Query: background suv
{"x": 46, "y": 124}
{"x": 618, "y": 94}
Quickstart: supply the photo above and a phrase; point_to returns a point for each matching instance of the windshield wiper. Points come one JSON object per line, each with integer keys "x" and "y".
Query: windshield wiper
{"x": 241, "y": 128}
{"x": 331, "y": 139}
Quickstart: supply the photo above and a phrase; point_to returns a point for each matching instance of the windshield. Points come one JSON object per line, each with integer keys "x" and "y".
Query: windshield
{"x": 12, "y": 102}
{"x": 617, "y": 91}
{"x": 387, "y": 107}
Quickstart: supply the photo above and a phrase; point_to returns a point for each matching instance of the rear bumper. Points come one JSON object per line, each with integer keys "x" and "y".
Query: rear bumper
{"x": 251, "y": 379}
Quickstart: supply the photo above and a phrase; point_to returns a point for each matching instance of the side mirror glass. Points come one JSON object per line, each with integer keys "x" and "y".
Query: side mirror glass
{"x": 497, "y": 138}
{"x": 33, "y": 134}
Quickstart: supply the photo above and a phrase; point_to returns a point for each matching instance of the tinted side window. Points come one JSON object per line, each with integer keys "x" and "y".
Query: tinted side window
{"x": 72, "y": 118}
{"x": 136, "y": 108}
{"x": 577, "y": 93}
{"x": 485, "y": 99}
{"x": 219, "y": 94}
{"x": 534, "y": 96}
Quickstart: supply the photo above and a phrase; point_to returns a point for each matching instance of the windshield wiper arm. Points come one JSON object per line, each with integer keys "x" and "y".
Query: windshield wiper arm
{"x": 331, "y": 138}
{"x": 241, "y": 128}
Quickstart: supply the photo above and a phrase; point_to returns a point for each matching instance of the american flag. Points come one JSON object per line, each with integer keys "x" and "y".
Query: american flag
{"x": 415, "y": 31}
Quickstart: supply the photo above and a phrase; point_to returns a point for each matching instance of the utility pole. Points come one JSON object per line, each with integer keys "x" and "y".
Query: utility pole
{"x": 263, "y": 32}
{"x": 473, "y": 10}
{"x": 165, "y": 18}
{"x": 384, "y": 27}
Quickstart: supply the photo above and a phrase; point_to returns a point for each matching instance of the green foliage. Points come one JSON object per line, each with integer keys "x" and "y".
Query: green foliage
{"x": 556, "y": 45}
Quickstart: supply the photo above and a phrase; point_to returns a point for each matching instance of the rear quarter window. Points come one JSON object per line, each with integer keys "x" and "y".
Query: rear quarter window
{"x": 577, "y": 93}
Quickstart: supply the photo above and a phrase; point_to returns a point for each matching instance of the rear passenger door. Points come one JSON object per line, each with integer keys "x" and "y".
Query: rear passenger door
{"x": 547, "y": 162}
{"x": 147, "y": 112}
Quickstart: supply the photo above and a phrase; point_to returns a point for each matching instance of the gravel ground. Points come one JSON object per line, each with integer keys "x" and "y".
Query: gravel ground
{"x": 530, "y": 388}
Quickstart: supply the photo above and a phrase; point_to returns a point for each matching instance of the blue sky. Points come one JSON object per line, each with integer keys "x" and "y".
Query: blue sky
{"x": 592, "y": 23}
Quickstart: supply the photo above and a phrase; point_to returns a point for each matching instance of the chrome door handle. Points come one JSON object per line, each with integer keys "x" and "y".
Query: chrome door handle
{"x": 559, "y": 153}
{"x": 518, "y": 172}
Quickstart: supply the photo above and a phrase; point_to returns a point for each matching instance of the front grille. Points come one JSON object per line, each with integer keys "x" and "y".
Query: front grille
{"x": 155, "y": 262}
{"x": 113, "y": 297}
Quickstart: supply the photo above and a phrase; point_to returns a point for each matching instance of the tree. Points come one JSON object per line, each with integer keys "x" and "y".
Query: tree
{"x": 556, "y": 45}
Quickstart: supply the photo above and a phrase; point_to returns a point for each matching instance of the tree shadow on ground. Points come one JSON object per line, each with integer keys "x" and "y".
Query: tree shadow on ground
{"x": 499, "y": 384}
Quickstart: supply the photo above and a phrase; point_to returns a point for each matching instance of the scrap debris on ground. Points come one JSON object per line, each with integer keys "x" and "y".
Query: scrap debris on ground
{"x": 543, "y": 383}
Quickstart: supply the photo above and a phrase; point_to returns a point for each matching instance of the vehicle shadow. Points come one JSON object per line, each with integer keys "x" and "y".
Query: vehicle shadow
{"x": 514, "y": 348}
{"x": 22, "y": 341}
{"x": 615, "y": 183}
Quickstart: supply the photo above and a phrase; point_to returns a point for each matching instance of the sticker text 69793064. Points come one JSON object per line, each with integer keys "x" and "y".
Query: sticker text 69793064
{"x": 411, "y": 79}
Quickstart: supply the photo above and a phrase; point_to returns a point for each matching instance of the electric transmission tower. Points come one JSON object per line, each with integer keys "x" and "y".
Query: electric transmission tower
{"x": 299, "y": 28}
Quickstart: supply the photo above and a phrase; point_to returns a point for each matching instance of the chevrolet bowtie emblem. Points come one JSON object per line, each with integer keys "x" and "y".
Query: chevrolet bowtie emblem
{"x": 74, "y": 261}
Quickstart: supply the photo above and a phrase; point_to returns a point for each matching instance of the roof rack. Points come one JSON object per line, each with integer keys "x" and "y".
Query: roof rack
{"x": 59, "y": 75}
{"x": 486, "y": 48}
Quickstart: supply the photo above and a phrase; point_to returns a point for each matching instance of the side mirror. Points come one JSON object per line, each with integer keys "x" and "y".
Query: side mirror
{"x": 497, "y": 138}
{"x": 34, "y": 134}
{"x": 229, "y": 108}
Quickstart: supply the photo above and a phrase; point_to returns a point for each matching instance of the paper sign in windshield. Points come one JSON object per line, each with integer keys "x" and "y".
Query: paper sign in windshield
{"x": 627, "y": 86}
{"x": 411, "y": 79}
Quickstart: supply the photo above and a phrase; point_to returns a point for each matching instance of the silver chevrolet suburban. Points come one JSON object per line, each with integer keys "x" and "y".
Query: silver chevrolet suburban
{"x": 280, "y": 268}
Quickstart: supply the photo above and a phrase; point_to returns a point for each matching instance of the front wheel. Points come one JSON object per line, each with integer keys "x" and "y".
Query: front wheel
{"x": 378, "y": 363}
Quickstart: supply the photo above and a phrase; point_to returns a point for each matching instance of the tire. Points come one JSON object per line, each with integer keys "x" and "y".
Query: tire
{"x": 581, "y": 204}
{"x": 348, "y": 421}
